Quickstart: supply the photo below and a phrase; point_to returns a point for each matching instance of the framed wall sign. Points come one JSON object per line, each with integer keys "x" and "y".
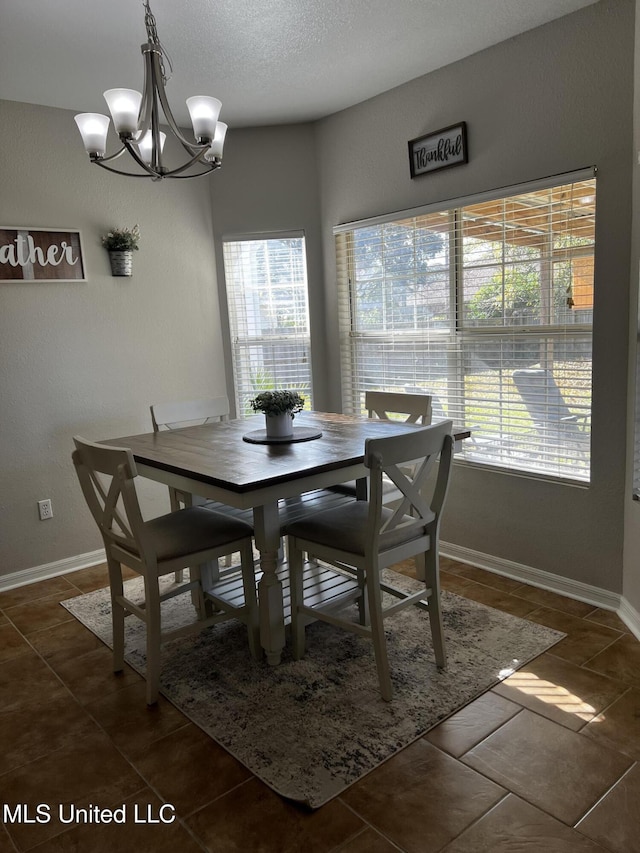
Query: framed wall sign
{"x": 438, "y": 150}
{"x": 40, "y": 254}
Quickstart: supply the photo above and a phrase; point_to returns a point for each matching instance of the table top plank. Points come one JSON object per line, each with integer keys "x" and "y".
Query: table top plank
{"x": 216, "y": 453}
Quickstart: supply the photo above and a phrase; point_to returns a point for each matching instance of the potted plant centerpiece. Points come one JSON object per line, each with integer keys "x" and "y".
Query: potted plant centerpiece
{"x": 121, "y": 243}
{"x": 279, "y": 409}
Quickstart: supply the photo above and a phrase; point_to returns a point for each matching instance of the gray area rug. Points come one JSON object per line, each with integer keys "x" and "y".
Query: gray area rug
{"x": 311, "y": 728}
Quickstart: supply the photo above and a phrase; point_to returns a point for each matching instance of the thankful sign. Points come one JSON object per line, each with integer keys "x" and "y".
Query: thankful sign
{"x": 36, "y": 254}
{"x": 446, "y": 147}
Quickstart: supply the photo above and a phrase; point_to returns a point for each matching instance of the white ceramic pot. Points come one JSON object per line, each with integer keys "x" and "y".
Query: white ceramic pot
{"x": 279, "y": 426}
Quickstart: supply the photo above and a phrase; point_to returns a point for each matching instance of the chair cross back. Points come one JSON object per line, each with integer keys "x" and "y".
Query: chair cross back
{"x": 390, "y": 456}
{"x": 103, "y": 498}
{"x": 383, "y": 404}
{"x": 412, "y": 502}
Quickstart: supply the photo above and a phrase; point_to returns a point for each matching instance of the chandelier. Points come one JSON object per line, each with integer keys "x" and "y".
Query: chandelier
{"x": 136, "y": 119}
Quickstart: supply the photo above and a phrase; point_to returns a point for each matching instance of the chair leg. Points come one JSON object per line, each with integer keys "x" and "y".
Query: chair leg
{"x": 363, "y": 600}
{"x": 152, "y": 608}
{"x": 432, "y": 581}
{"x": 251, "y": 600}
{"x": 174, "y": 501}
{"x": 374, "y": 595}
{"x": 297, "y": 599}
{"x": 117, "y": 613}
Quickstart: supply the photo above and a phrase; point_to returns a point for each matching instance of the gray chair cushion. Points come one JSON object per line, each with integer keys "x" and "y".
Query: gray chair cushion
{"x": 345, "y": 528}
{"x": 194, "y": 529}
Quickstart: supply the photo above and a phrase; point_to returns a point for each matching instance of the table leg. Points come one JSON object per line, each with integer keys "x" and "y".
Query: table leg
{"x": 270, "y": 596}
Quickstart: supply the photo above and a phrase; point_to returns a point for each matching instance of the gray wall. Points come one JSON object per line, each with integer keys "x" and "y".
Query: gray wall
{"x": 551, "y": 100}
{"x": 631, "y": 585}
{"x": 269, "y": 183}
{"x": 90, "y": 357}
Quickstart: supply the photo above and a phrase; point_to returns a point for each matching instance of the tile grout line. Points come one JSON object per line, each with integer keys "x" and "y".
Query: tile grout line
{"x": 627, "y": 690}
{"x": 603, "y": 796}
{"x": 367, "y": 825}
{"x": 608, "y": 646}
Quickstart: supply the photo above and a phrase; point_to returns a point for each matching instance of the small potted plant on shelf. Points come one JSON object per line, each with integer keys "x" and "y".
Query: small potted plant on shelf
{"x": 121, "y": 243}
{"x": 279, "y": 409}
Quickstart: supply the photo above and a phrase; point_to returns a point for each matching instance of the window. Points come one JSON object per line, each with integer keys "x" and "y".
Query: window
{"x": 488, "y": 306}
{"x": 266, "y": 283}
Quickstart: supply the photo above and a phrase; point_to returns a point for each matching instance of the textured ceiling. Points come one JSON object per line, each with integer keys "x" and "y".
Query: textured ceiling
{"x": 269, "y": 61}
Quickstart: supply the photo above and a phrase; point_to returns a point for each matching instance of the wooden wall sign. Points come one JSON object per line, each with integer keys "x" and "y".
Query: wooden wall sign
{"x": 39, "y": 254}
{"x": 438, "y": 150}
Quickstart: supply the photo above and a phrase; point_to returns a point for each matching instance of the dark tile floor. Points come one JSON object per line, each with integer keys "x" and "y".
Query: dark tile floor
{"x": 546, "y": 761}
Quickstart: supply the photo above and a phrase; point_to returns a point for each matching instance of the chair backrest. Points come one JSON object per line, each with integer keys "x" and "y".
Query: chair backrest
{"x": 420, "y": 503}
{"x": 541, "y": 396}
{"x": 106, "y": 476}
{"x": 176, "y": 415}
{"x": 383, "y": 404}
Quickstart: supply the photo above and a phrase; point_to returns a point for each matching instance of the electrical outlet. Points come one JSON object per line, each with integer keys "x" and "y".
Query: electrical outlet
{"x": 45, "y": 510}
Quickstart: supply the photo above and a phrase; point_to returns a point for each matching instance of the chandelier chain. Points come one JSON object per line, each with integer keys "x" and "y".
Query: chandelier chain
{"x": 152, "y": 35}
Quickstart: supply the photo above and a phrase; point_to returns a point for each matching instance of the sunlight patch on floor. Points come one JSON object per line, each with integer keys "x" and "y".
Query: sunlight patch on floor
{"x": 551, "y": 694}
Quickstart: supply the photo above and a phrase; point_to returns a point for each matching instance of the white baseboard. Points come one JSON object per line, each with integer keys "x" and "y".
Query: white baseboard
{"x": 51, "y": 570}
{"x": 537, "y": 577}
{"x": 630, "y": 617}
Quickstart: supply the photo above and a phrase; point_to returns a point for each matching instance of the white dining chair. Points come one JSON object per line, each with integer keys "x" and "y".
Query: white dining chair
{"x": 392, "y": 405}
{"x": 365, "y": 537}
{"x": 183, "y": 413}
{"x": 184, "y": 538}
{"x": 386, "y": 405}
{"x": 177, "y": 414}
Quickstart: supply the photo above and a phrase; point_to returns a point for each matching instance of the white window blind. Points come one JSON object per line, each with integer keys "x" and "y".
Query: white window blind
{"x": 488, "y": 306}
{"x": 266, "y": 281}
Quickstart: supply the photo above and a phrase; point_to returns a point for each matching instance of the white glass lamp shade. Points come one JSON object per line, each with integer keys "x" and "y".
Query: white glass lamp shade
{"x": 124, "y": 106}
{"x": 145, "y": 146}
{"x": 204, "y": 112}
{"x": 215, "y": 152}
{"x": 93, "y": 127}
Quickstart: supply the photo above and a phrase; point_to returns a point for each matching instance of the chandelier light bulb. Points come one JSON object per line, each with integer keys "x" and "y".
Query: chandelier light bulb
{"x": 124, "y": 106}
{"x": 145, "y": 146}
{"x": 215, "y": 152}
{"x": 204, "y": 112}
{"x": 93, "y": 128}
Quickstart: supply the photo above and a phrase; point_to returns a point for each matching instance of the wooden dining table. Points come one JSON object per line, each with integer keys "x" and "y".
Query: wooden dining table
{"x": 221, "y": 462}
